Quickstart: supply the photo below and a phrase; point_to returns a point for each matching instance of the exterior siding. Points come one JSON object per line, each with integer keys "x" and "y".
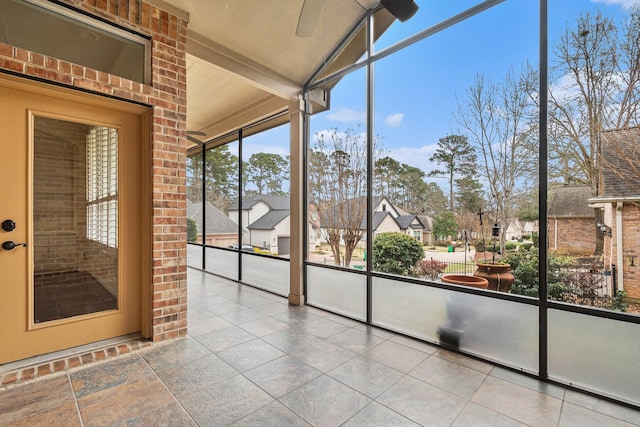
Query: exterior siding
{"x": 166, "y": 96}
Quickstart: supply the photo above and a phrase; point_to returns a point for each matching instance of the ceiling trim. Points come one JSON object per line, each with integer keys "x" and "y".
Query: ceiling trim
{"x": 255, "y": 74}
{"x": 252, "y": 113}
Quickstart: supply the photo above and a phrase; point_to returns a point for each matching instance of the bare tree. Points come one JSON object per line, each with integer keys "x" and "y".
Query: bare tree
{"x": 337, "y": 187}
{"x": 595, "y": 87}
{"x": 501, "y": 121}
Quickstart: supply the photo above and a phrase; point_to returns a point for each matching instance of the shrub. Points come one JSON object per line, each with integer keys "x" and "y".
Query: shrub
{"x": 510, "y": 246}
{"x": 429, "y": 268}
{"x": 396, "y": 253}
{"x": 526, "y": 246}
{"x": 192, "y": 230}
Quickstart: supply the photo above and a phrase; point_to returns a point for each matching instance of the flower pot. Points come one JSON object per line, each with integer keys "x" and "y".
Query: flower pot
{"x": 459, "y": 279}
{"x": 498, "y": 275}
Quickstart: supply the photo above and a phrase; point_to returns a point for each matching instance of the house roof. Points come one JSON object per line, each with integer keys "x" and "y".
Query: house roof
{"x": 273, "y": 201}
{"x": 269, "y": 220}
{"x": 571, "y": 201}
{"x": 216, "y": 221}
{"x": 406, "y": 221}
{"x": 426, "y": 221}
{"x": 620, "y": 163}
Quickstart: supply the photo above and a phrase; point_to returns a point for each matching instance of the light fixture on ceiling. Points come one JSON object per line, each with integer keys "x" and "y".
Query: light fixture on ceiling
{"x": 309, "y": 16}
{"x": 401, "y": 9}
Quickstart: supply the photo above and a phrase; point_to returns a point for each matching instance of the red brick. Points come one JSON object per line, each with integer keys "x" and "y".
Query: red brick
{"x": 10, "y": 378}
{"x": 27, "y": 374}
{"x": 44, "y": 369}
{"x": 74, "y": 362}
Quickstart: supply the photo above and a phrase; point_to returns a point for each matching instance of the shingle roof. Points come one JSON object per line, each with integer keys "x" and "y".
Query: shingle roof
{"x": 217, "y": 222}
{"x": 426, "y": 222}
{"x": 269, "y": 220}
{"x": 273, "y": 201}
{"x": 404, "y": 221}
{"x": 571, "y": 201}
{"x": 621, "y": 162}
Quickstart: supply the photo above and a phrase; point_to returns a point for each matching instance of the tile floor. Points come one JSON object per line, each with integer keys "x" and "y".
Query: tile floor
{"x": 252, "y": 360}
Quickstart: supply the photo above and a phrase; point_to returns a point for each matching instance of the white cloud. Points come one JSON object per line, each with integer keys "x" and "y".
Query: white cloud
{"x": 414, "y": 156}
{"x": 347, "y": 115}
{"x": 394, "y": 120}
{"x": 248, "y": 149}
{"x": 625, "y": 4}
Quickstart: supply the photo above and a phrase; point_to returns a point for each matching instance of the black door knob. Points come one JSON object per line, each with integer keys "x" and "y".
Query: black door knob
{"x": 8, "y": 225}
{"x": 9, "y": 245}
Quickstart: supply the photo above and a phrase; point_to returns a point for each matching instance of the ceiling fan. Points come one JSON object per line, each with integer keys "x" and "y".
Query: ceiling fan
{"x": 309, "y": 16}
{"x": 311, "y": 10}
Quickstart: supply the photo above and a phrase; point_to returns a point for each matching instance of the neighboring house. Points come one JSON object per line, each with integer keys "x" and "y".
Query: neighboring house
{"x": 220, "y": 230}
{"x": 619, "y": 199}
{"x": 314, "y": 231}
{"x": 571, "y": 221}
{"x": 267, "y": 219}
{"x": 386, "y": 218}
{"x": 516, "y": 229}
{"x": 427, "y": 231}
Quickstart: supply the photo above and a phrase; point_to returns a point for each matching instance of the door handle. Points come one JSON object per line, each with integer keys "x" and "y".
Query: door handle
{"x": 9, "y": 245}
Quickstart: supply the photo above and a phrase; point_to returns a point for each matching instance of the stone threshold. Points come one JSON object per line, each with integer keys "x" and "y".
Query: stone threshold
{"x": 37, "y": 367}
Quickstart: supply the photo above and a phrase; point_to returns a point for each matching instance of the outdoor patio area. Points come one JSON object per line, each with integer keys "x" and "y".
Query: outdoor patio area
{"x": 252, "y": 359}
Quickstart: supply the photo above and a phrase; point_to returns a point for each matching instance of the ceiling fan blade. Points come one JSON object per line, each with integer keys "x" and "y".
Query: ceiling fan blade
{"x": 309, "y": 16}
{"x": 196, "y": 132}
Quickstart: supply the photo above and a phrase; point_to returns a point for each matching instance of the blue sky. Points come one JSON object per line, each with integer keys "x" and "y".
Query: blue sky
{"x": 418, "y": 88}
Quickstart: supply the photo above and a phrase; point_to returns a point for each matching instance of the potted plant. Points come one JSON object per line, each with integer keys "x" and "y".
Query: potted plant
{"x": 461, "y": 279}
{"x": 497, "y": 274}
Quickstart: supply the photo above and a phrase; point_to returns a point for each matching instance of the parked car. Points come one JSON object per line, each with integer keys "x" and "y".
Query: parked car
{"x": 245, "y": 248}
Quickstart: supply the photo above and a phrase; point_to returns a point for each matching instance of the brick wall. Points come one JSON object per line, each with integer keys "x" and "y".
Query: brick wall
{"x": 630, "y": 239}
{"x": 574, "y": 236}
{"x": 166, "y": 95}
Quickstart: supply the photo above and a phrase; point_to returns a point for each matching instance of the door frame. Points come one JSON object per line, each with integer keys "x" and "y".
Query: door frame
{"x": 144, "y": 207}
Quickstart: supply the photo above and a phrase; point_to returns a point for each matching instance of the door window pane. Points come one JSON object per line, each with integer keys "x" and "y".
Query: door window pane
{"x": 75, "y": 219}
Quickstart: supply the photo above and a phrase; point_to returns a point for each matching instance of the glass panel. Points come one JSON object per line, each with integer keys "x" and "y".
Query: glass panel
{"x": 268, "y": 273}
{"x": 595, "y": 354}
{"x": 265, "y": 206}
{"x": 78, "y": 38}
{"x": 221, "y": 194}
{"x": 222, "y": 262}
{"x": 195, "y": 210}
{"x": 75, "y": 219}
{"x": 593, "y": 153}
{"x": 337, "y": 177}
{"x": 498, "y": 330}
{"x": 448, "y": 129}
{"x": 338, "y": 291}
{"x": 428, "y": 14}
{"x": 194, "y": 256}
{"x": 352, "y": 50}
